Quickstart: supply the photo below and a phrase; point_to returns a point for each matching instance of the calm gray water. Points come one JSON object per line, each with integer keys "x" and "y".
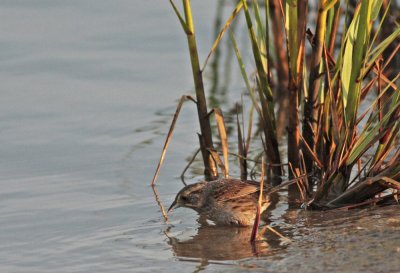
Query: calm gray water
{"x": 88, "y": 89}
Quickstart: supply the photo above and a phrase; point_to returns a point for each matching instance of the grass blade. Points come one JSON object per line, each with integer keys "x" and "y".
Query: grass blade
{"x": 219, "y": 118}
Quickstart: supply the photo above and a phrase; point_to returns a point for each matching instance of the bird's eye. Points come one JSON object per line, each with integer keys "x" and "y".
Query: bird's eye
{"x": 185, "y": 198}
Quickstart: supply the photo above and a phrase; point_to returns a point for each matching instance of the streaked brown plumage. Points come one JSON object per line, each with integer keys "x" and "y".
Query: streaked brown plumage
{"x": 224, "y": 201}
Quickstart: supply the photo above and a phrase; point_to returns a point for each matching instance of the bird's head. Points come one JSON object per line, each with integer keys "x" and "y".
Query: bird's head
{"x": 191, "y": 196}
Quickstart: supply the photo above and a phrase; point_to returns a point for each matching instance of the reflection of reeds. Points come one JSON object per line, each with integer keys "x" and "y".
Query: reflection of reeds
{"x": 160, "y": 205}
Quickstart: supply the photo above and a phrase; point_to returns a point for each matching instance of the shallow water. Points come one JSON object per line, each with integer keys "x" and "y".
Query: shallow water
{"x": 88, "y": 91}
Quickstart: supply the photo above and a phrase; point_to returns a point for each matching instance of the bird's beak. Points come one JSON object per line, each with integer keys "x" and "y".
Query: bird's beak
{"x": 174, "y": 205}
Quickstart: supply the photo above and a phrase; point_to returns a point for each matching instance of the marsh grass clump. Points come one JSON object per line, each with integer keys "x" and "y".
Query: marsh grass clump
{"x": 327, "y": 76}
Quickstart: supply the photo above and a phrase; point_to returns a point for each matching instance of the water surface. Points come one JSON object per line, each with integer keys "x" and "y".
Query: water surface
{"x": 88, "y": 91}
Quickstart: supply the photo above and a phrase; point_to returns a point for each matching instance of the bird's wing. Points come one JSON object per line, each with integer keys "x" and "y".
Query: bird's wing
{"x": 234, "y": 189}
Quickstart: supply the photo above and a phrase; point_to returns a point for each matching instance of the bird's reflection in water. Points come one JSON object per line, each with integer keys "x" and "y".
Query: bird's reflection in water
{"x": 223, "y": 243}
